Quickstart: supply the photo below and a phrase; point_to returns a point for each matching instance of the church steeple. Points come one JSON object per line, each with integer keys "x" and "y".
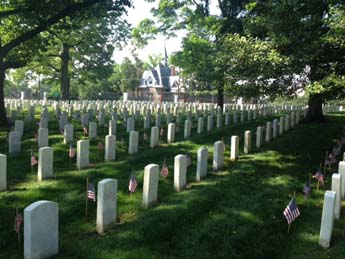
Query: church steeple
{"x": 165, "y": 56}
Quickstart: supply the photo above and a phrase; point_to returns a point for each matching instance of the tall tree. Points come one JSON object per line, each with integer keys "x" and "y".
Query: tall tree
{"x": 22, "y": 22}
{"x": 301, "y": 30}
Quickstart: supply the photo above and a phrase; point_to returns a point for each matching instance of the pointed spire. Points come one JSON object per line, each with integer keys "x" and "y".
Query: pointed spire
{"x": 165, "y": 55}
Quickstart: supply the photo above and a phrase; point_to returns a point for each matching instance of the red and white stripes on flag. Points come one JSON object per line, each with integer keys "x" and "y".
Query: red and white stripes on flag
{"x": 33, "y": 160}
{"x": 91, "y": 193}
{"x": 71, "y": 152}
{"x": 132, "y": 184}
{"x": 85, "y": 131}
{"x": 18, "y": 219}
{"x": 291, "y": 212}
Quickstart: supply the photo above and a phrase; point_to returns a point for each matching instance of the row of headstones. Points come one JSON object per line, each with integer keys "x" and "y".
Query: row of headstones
{"x": 166, "y": 107}
{"x": 47, "y": 211}
{"x": 332, "y": 205}
{"x": 42, "y": 134}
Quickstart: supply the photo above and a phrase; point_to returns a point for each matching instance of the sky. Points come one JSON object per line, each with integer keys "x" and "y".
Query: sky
{"x": 141, "y": 11}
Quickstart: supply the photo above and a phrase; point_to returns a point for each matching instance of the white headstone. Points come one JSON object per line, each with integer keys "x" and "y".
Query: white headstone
{"x": 45, "y": 163}
{"x": 110, "y": 148}
{"x": 268, "y": 131}
{"x": 42, "y": 138}
{"x": 281, "y": 126}
{"x": 327, "y": 219}
{"x": 106, "y": 204}
{"x": 92, "y": 130}
{"x": 187, "y": 128}
{"x": 133, "y": 142}
{"x": 83, "y": 153}
{"x": 150, "y": 187}
{"x": 247, "y": 141}
{"x": 234, "y": 148}
{"x": 275, "y": 128}
{"x": 209, "y": 123}
{"x": 112, "y": 127}
{"x": 218, "y": 155}
{"x": 336, "y": 187}
{"x": 201, "y": 166}
{"x": 171, "y": 133}
{"x": 200, "y": 125}
{"x": 130, "y": 124}
{"x": 41, "y": 230}
{"x": 154, "y": 140}
{"x": 19, "y": 127}
{"x": 68, "y": 133}
{"x": 259, "y": 137}
{"x": 14, "y": 142}
{"x": 180, "y": 172}
{"x": 341, "y": 171}
{"x": 3, "y": 172}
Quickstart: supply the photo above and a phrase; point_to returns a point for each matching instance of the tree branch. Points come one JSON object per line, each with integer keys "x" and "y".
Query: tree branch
{"x": 42, "y": 27}
{"x": 11, "y": 64}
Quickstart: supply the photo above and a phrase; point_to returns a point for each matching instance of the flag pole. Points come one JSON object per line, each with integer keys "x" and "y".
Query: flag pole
{"x": 32, "y": 167}
{"x": 289, "y": 228}
{"x": 18, "y": 233}
{"x": 86, "y": 198}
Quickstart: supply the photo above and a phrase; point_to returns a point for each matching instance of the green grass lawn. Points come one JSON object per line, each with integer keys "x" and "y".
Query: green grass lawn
{"x": 235, "y": 213}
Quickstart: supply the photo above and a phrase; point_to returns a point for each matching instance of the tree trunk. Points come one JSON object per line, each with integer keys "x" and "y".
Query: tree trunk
{"x": 64, "y": 83}
{"x": 3, "y": 118}
{"x": 220, "y": 96}
{"x": 314, "y": 113}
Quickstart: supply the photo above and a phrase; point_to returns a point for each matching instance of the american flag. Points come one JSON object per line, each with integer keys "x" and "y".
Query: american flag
{"x": 71, "y": 152}
{"x": 100, "y": 146}
{"x": 319, "y": 176}
{"x": 291, "y": 212}
{"x": 33, "y": 160}
{"x": 132, "y": 184}
{"x": 165, "y": 170}
{"x": 189, "y": 160}
{"x": 91, "y": 193}
{"x": 18, "y": 219}
{"x": 161, "y": 131}
{"x": 307, "y": 188}
{"x": 85, "y": 131}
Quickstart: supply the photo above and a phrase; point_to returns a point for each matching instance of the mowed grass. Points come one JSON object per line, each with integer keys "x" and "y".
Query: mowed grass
{"x": 235, "y": 213}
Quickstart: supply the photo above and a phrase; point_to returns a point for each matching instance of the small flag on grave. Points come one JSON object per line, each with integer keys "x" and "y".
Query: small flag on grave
{"x": 319, "y": 176}
{"x": 132, "y": 184}
{"x": 291, "y": 212}
{"x": 85, "y": 130}
{"x": 18, "y": 219}
{"x": 307, "y": 188}
{"x": 71, "y": 152}
{"x": 91, "y": 193}
{"x": 165, "y": 170}
{"x": 33, "y": 159}
{"x": 161, "y": 131}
